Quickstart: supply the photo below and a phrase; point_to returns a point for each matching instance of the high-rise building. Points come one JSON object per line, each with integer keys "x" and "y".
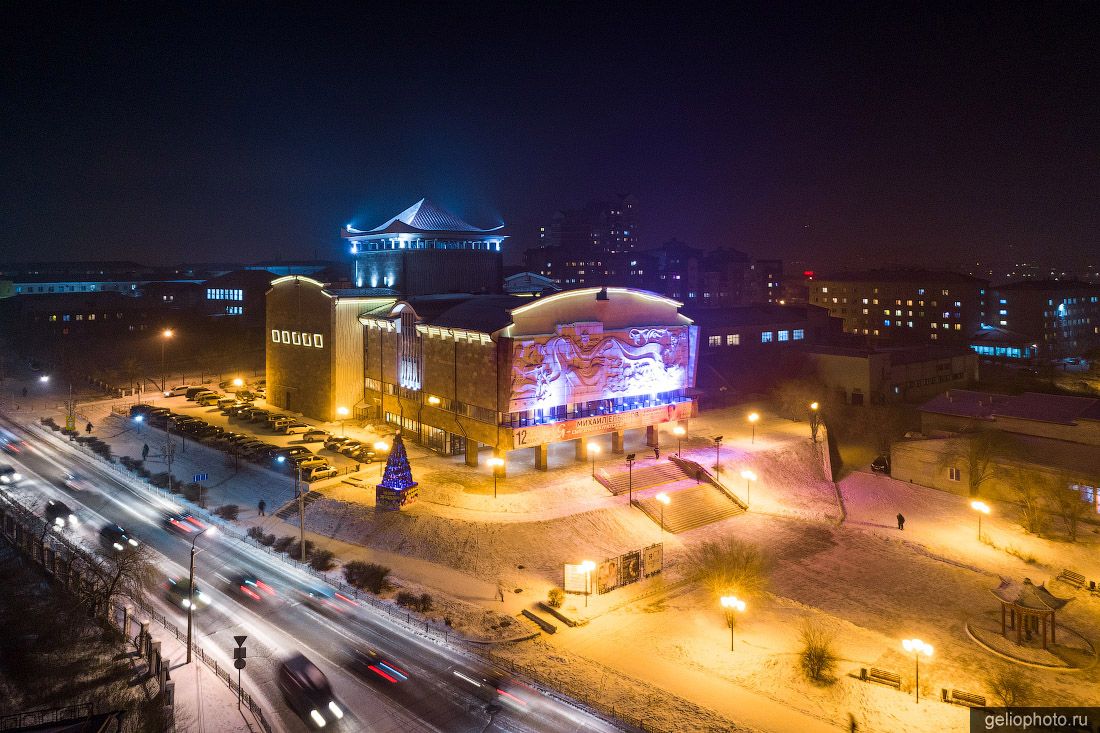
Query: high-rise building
{"x": 426, "y": 249}
{"x": 1061, "y": 317}
{"x": 904, "y": 305}
{"x": 604, "y": 227}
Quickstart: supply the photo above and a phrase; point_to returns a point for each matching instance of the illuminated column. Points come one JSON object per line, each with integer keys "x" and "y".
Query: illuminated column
{"x": 542, "y": 456}
{"x": 471, "y": 452}
{"x": 502, "y": 470}
{"x": 617, "y": 441}
{"x": 582, "y": 449}
{"x": 652, "y": 435}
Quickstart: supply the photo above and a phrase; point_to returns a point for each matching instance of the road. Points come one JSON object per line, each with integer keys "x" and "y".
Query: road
{"x": 438, "y": 694}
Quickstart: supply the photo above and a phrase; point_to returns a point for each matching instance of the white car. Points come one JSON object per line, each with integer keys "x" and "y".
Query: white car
{"x": 177, "y": 391}
{"x": 8, "y": 474}
{"x": 75, "y": 482}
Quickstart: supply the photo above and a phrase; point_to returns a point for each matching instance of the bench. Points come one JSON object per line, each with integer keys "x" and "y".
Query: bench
{"x": 881, "y": 676}
{"x": 542, "y": 623}
{"x": 1070, "y": 577}
{"x": 961, "y": 697}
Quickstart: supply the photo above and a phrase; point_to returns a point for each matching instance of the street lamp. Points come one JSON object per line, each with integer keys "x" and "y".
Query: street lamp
{"x": 587, "y": 566}
{"x": 44, "y": 378}
{"x": 238, "y": 382}
{"x": 749, "y": 477}
{"x": 663, "y": 498}
{"x": 191, "y": 585}
{"x": 342, "y": 413}
{"x": 981, "y": 508}
{"x": 630, "y": 457}
{"x": 918, "y": 647}
{"x": 679, "y": 432}
{"x": 717, "y": 455}
{"x": 732, "y": 605}
{"x": 140, "y": 420}
{"x": 593, "y": 450}
{"x": 300, "y": 496}
{"x": 753, "y": 417}
{"x": 165, "y": 335}
{"x": 496, "y": 463}
{"x": 814, "y": 417}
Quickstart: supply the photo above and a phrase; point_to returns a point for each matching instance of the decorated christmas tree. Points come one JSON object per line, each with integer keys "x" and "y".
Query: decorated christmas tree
{"x": 397, "y": 487}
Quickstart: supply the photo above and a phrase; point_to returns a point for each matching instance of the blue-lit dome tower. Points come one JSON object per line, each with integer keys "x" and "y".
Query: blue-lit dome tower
{"x": 426, "y": 250}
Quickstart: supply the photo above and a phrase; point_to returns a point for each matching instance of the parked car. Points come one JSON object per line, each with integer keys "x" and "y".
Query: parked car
{"x": 881, "y": 465}
{"x": 316, "y": 473}
{"x": 295, "y": 450}
{"x": 350, "y": 447}
{"x": 60, "y": 515}
{"x": 210, "y": 399}
{"x": 315, "y": 436}
{"x": 193, "y": 392}
{"x": 336, "y": 441}
{"x": 8, "y": 474}
{"x": 304, "y": 462}
{"x": 364, "y": 455}
{"x": 307, "y": 691}
{"x": 280, "y": 425}
{"x": 225, "y": 402}
{"x": 257, "y": 415}
{"x": 296, "y": 428}
{"x": 114, "y": 536}
{"x": 177, "y": 390}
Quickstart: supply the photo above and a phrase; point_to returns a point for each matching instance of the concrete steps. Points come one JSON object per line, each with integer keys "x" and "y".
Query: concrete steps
{"x": 690, "y": 507}
{"x": 290, "y": 509}
{"x": 645, "y": 476}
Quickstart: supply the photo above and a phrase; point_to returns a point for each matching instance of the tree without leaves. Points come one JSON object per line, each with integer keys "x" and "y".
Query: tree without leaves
{"x": 728, "y": 565}
{"x": 1064, "y": 500}
{"x": 1028, "y": 496}
{"x": 817, "y": 657}
{"x": 977, "y": 450}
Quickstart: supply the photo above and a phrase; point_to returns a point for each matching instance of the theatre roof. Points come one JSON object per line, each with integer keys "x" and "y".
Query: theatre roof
{"x": 424, "y": 218}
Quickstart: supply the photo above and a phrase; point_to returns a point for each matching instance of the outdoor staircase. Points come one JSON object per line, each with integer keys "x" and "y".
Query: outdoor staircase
{"x": 290, "y": 509}
{"x": 645, "y": 477}
{"x": 693, "y": 506}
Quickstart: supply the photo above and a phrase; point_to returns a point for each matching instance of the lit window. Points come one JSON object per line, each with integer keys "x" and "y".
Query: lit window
{"x": 286, "y": 337}
{"x": 714, "y": 341}
{"x": 307, "y": 339}
{"x": 784, "y": 335}
{"x": 275, "y": 336}
{"x": 317, "y": 341}
{"x": 766, "y": 337}
{"x": 800, "y": 334}
{"x": 733, "y": 339}
{"x": 954, "y": 474}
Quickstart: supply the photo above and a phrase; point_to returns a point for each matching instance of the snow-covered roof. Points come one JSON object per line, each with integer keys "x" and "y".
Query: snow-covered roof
{"x": 1049, "y": 408}
{"x": 1027, "y": 595}
{"x": 423, "y": 218}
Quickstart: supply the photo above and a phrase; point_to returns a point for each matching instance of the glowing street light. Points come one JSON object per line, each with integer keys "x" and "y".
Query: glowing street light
{"x": 593, "y": 450}
{"x": 663, "y": 498}
{"x": 44, "y": 378}
{"x": 342, "y": 413}
{"x": 433, "y": 400}
{"x": 815, "y": 420}
{"x": 981, "y": 508}
{"x": 753, "y": 417}
{"x": 917, "y": 647}
{"x": 732, "y": 605}
{"x": 679, "y": 432}
{"x": 749, "y": 477}
{"x": 166, "y": 334}
{"x": 497, "y": 463}
{"x": 238, "y": 382}
{"x": 587, "y": 566}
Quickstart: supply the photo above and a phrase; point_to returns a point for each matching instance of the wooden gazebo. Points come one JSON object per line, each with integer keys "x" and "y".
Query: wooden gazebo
{"x": 1027, "y": 607}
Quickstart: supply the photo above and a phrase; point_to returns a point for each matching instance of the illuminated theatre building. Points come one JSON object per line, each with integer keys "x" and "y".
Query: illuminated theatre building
{"x": 457, "y": 372}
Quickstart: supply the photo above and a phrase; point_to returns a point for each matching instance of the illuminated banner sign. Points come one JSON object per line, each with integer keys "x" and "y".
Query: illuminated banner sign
{"x": 575, "y": 580}
{"x": 581, "y": 363}
{"x": 599, "y": 424}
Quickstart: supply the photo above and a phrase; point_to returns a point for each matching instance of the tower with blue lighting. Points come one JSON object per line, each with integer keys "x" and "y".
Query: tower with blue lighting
{"x": 427, "y": 250}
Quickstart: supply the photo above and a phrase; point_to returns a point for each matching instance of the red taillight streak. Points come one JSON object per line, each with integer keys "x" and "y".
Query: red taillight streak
{"x": 250, "y": 593}
{"x": 344, "y": 598}
{"x": 382, "y": 674}
{"x": 508, "y": 694}
{"x": 265, "y": 587}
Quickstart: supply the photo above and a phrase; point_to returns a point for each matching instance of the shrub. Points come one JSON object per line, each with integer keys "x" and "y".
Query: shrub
{"x": 728, "y": 565}
{"x": 295, "y": 549}
{"x": 192, "y": 491}
{"x": 366, "y": 575}
{"x": 426, "y": 602}
{"x": 268, "y": 539}
{"x": 817, "y": 657}
{"x": 408, "y": 600}
{"x": 1009, "y": 688}
{"x": 228, "y": 511}
{"x": 555, "y": 598}
{"x": 256, "y": 533}
{"x": 321, "y": 560}
{"x": 282, "y": 543}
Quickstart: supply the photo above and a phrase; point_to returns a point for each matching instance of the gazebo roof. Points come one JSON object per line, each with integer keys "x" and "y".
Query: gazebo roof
{"x": 1028, "y": 596}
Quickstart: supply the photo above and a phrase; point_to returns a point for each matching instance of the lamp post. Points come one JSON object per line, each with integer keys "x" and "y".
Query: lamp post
{"x": 717, "y": 455}
{"x": 753, "y": 417}
{"x": 630, "y": 457}
{"x": 749, "y": 477}
{"x": 814, "y": 417}
{"x": 342, "y": 413}
{"x": 496, "y": 462}
{"x": 191, "y": 585}
{"x": 663, "y": 498}
{"x": 732, "y": 605}
{"x": 679, "y": 432}
{"x": 165, "y": 335}
{"x": 381, "y": 447}
{"x": 301, "y": 497}
{"x": 593, "y": 450}
{"x": 918, "y": 647}
{"x": 981, "y": 508}
{"x": 587, "y": 566}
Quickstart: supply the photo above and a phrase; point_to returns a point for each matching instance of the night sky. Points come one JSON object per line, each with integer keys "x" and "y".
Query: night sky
{"x": 193, "y": 133}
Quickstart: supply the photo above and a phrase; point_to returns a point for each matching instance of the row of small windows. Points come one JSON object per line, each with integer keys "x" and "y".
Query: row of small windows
{"x": 766, "y": 337}
{"x": 224, "y": 294}
{"x": 80, "y": 317}
{"x": 297, "y": 338}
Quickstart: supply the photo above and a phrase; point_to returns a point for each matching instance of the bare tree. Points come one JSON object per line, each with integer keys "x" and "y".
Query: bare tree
{"x": 127, "y": 572}
{"x": 728, "y": 565}
{"x": 1066, "y": 501}
{"x": 793, "y": 397}
{"x": 1026, "y": 491}
{"x": 977, "y": 451}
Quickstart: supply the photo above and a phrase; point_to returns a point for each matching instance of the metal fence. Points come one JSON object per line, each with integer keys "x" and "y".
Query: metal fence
{"x": 35, "y": 718}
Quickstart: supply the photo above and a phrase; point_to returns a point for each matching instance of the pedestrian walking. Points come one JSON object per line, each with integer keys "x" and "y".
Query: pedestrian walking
{"x": 144, "y": 451}
{"x": 901, "y": 521}
{"x": 656, "y": 453}
{"x": 88, "y": 428}
{"x": 262, "y": 506}
{"x": 853, "y": 726}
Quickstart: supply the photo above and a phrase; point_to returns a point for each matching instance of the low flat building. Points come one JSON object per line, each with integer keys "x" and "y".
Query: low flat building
{"x": 459, "y": 372}
{"x": 869, "y": 375}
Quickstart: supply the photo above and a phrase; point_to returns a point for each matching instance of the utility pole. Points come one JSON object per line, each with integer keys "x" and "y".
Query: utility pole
{"x": 168, "y": 451}
{"x": 301, "y": 511}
